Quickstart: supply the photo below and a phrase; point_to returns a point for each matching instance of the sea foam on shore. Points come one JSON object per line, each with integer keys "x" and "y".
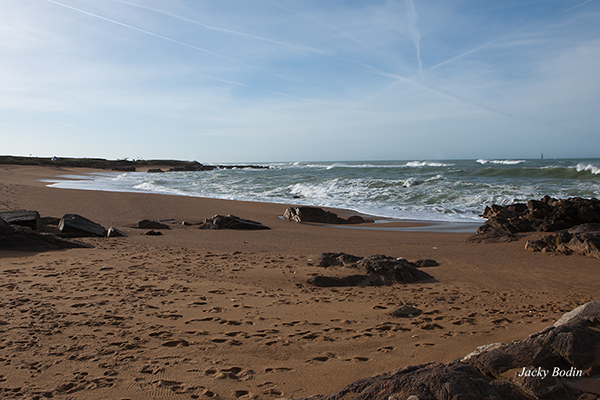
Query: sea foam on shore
{"x": 449, "y": 190}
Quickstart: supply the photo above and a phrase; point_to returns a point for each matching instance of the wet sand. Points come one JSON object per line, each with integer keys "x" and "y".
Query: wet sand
{"x": 197, "y": 314}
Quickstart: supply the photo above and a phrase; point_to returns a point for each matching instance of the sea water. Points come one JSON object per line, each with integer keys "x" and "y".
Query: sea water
{"x": 448, "y": 190}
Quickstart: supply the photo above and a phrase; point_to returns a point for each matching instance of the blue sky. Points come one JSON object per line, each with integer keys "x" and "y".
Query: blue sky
{"x": 281, "y": 80}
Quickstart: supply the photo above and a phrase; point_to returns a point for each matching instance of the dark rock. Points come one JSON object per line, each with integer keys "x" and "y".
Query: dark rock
{"x": 492, "y": 235}
{"x": 154, "y": 170}
{"x": 23, "y": 238}
{"x": 311, "y": 214}
{"x": 231, "y": 222}
{"x": 316, "y": 214}
{"x": 392, "y": 270}
{"x": 376, "y": 270}
{"x": 30, "y": 219}
{"x": 545, "y": 215}
{"x": 153, "y": 233}
{"x": 583, "y": 239}
{"x": 492, "y": 372}
{"x": 114, "y": 232}
{"x": 337, "y": 259}
{"x": 405, "y": 311}
{"x": 147, "y": 224}
{"x": 74, "y": 225}
{"x": 432, "y": 381}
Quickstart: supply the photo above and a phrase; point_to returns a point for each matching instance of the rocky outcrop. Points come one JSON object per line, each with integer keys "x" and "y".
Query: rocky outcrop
{"x": 583, "y": 239}
{"x": 231, "y": 222}
{"x": 74, "y": 225}
{"x": 546, "y": 215}
{"x": 316, "y": 214}
{"x": 373, "y": 270}
{"x": 551, "y": 364}
{"x": 16, "y": 237}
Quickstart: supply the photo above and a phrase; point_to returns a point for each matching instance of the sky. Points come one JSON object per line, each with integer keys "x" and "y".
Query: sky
{"x": 225, "y": 81}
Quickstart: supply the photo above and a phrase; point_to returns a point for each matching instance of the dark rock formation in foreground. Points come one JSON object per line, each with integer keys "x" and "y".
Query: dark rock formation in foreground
{"x": 25, "y": 230}
{"x": 373, "y": 270}
{"x": 74, "y": 225}
{"x": 15, "y": 237}
{"x": 316, "y": 214}
{"x": 231, "y": 222}
{"x": 557, "y": 363}
{"x": 28, "y": 218}
{"x": 583, "y": 239}
{"x": 546, "y": 215}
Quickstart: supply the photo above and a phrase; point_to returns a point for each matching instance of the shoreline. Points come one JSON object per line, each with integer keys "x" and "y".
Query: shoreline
{"x": 229, "y": 314}
{"x": 381, "y": 222}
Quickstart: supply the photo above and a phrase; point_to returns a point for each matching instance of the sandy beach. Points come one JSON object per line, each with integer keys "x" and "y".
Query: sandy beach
{"x": 200, "y": 314}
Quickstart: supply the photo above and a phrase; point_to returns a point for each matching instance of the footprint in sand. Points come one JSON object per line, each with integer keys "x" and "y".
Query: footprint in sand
{"x": 322, "y": 358}
{"x": 357, "y": 359}
{"x": 235, "y": 373}
{"x": 278, "y": 369}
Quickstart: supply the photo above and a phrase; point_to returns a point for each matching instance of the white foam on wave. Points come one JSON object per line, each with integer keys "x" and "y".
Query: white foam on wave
{"x": 417, "y": 164}
{"x": 502, "y": 162}
{"x": 588, "y": 167}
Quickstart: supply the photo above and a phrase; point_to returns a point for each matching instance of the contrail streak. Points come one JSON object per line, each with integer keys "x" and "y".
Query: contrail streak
{"x": 223, "y": 30}
{"x": 466, "y": 53}
{"x": 175, "y": 41}
{"x": 413, "y": 30}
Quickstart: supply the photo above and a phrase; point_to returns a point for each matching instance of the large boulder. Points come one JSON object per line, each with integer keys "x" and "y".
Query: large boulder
{"x": 316, "y": 214}
{"x": 15, "y": 237}
{"x": 74, "y": 225}
{"x": 231, "y": 222}
{"x": 28, "y": 218}
{"x": 551, "y": 364}
{"x": 373, "y": 270}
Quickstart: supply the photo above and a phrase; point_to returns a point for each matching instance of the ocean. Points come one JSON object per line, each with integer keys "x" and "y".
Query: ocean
{"x": 447, "y": 190}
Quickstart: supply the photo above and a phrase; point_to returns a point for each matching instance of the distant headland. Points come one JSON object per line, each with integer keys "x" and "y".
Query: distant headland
{"x": 124, "y": 165}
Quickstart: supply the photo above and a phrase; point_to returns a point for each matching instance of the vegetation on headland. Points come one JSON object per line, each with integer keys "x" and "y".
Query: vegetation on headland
{"x": 114, "y": 165}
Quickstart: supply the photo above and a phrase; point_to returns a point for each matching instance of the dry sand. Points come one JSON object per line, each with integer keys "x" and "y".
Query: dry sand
{"x": 196, "y": 314}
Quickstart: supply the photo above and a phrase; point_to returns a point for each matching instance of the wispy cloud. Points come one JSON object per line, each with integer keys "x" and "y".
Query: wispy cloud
{"x": 388, "y": 78}
{"x": 178, "y": 42}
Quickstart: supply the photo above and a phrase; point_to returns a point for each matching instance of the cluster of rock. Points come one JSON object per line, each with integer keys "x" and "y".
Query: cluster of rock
{"x": 551, "y": 364}
{"x": 316, "y": 214}
{"x": 576, "y": 222}
{"x": 373, "y": 270}
{"x": 583, "y": 239}
{"x": 69, "y": 226}
{"x": 26, "y": 230}
{"x": 215, "y": 222}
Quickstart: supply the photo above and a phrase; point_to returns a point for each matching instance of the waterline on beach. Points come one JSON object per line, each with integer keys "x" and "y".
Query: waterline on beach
{"x": 447, "y": 190}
